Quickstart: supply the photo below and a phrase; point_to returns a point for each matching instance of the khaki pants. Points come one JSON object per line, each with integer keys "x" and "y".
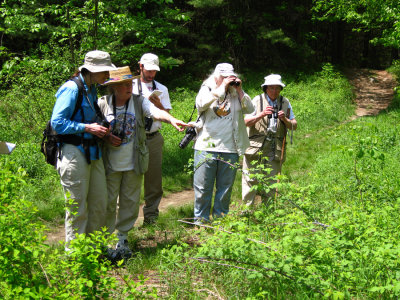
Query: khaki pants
{"x": 86, "y": 185}
{"x": 124, "y": 187}
{"x": 248, "y": 195}
{"x": 153, "y": 190}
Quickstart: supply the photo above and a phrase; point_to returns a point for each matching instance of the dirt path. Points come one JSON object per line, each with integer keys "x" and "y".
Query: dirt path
{"x": 172, "y": 200}
{"x": 374, "y": 90}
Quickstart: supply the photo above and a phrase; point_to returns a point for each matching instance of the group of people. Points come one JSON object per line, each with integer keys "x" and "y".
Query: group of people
{"x": 109, "y": 146}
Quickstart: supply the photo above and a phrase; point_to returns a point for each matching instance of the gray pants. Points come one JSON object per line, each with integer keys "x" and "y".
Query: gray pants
{"x": 153, "y": 190}
{"x": 124, "y": 187}
{"x": 248, "y": 195}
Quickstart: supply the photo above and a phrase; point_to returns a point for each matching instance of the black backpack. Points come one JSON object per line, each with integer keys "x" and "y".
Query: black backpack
{"x": 50, "y": 145}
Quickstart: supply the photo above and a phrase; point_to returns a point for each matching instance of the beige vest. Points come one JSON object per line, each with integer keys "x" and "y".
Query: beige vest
{"x": 259, "y": 140}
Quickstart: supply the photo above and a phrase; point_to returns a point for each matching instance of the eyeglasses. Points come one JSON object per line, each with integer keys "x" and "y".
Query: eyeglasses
{"x": 274, "y": 88}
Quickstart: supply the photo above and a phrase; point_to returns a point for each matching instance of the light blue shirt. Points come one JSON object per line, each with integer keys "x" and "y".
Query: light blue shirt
{"x": 67, "y": 96}
{"x": 275, "y": 103}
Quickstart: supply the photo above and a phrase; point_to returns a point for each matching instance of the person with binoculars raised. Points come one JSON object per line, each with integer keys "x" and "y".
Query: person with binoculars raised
{"x": 267, "y": 129}
{"x": 126, "y": 155}
{"x": 221, "y": 104}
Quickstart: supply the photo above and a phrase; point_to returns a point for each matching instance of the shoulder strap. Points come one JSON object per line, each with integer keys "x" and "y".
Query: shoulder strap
{"x": 78, "y": 105}
{"x": 261, "y": 103}
{"x": 139, "y": 83}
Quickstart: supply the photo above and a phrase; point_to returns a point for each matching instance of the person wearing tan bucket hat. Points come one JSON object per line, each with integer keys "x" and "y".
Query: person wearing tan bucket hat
{"x": 79, "y": 163}
{"x": 126, "y": 155}
{"x": 267, "y": 128}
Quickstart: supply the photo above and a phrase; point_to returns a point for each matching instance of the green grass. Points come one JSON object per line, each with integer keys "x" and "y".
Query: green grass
{"x": 343, "y": 176}
{"x": 333, "y": 232}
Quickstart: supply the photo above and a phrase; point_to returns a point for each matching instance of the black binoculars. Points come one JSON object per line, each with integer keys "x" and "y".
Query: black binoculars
{"x": 234, "y": 83}
{"x": 275, "y": 113}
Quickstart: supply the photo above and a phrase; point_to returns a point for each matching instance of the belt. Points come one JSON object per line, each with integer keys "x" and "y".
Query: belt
{"x": 151, "y": 134}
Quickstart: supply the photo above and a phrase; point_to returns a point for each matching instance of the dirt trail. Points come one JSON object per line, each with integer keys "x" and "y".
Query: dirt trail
{"x": 172, "y": 200}
{"x": 374, "y": 90}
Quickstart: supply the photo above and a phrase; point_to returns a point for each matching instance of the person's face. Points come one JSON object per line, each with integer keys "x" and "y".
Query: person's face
{"x": 123, "y": 90}
{"x": 273, "y": 91}
{"x": 100, "y": 77}
{"x": 147, "y": 76}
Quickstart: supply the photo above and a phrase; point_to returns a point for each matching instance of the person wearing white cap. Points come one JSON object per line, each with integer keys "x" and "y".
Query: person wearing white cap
{"x": 125, "y": 154}
{"x": 159, "y": 96}
{"x": 79, "y": 163}
{"x": 267, "y": 129}
{"x": 221, "y": 139}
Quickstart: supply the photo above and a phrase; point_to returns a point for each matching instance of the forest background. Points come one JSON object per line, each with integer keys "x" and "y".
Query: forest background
{"x": 308, "y": 42}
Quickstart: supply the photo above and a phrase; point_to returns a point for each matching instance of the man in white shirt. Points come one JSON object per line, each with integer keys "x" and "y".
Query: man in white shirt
{"x": 158, "y": 95}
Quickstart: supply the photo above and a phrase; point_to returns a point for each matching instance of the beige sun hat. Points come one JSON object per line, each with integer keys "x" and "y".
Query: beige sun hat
{"x": 150, "y": 62}
{"x": 273, "y": 79}
{"x": 224, "y": 70}
{"x": 97, "y": 61}
{"x": 119, "y": 75}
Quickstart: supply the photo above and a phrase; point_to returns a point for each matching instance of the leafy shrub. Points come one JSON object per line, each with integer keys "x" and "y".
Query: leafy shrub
{"x": 30, "y": 269}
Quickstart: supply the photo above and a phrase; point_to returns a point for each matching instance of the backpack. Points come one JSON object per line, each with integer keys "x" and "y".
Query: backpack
{"x": 51, "y": 141}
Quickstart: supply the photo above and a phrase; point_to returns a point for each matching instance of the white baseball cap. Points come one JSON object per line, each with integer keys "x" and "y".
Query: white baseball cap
{"x": 97, "y": 61}
{"x": 273, "y": 79}
{"x": 150, "y": 62}
{"x": 224, "y": 70}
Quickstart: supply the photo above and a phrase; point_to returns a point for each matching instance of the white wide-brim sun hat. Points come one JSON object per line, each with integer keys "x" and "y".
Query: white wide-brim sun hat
{"x": 273, "y": 79}
{"x": 224, "y": 70}
{"x": 97, "y": 61}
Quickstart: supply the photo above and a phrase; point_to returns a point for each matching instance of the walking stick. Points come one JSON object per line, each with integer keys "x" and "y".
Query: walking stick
{"x": 282, "y": 153}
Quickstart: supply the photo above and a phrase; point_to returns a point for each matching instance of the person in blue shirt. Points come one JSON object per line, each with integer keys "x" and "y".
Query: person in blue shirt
{"x": 80, "y": 164}
{"x": 267, "y": 128}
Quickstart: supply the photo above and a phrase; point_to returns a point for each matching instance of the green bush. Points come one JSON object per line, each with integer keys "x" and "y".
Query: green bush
{"x": 29, "y": 269}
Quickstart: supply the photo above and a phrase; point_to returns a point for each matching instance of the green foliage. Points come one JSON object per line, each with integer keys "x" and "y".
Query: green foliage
{"x": 30, "y": 269}
{"x": 365, "y": 16}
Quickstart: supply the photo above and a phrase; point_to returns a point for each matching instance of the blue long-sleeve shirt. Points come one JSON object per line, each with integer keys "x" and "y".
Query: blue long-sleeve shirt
{"x": 67, "y": 96}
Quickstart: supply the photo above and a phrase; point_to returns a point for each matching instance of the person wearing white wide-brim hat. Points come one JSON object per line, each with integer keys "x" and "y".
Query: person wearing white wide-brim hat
{"x": 267, "y": 129}
{"x": 222, "y": 138}
{"x": 79, "y": 163}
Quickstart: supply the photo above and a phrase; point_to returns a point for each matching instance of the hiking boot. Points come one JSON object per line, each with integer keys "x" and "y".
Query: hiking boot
{"x": 149, "y": 221}
{"x": 123, "y": 250}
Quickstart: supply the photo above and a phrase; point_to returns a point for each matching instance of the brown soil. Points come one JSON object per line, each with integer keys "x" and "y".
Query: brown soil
{"x": 175, "y": 199}
{"x": 374, "y": 91}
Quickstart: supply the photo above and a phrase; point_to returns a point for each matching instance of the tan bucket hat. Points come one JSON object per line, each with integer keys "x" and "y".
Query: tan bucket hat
{"x": 97, "y": 61}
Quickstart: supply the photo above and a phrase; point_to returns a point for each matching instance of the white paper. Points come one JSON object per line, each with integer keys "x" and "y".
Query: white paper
{"x": 6, "y": 148}
{"x": 156, "y": 92}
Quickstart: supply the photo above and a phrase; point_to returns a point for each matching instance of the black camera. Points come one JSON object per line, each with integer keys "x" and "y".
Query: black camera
{"x": 190, "y": 134}
{"x": 120, "y": 134}
{"x": 234, "y": 83}
{"x": 102, "y": 122}
{"x": 147, "y": 123}
{"x": 275, "y": 113}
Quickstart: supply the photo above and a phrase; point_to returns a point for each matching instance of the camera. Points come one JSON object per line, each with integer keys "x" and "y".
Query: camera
{"x": 275, "y": 113}
{"x": 147, "y": 123}
{"x": 102, "y": 122}
{"x": 234, "y": 83}
{"x": 190, "y": 134}
{"x": 120, "y": 134}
